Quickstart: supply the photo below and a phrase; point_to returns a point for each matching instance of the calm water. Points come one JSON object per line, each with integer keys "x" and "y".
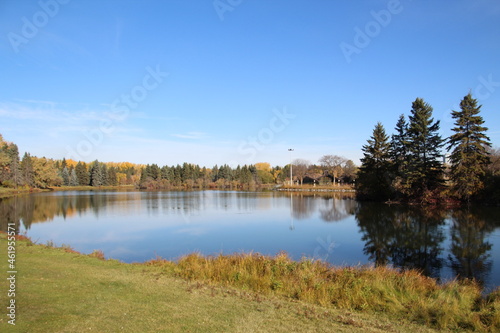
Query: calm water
{"x": 138, "y": 226}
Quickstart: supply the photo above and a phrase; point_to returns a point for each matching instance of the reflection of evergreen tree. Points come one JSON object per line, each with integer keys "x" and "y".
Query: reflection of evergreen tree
{"x": 403, "y": 237}
{"x": 9, "y": 214}
{"x": 418, "y": 236}
{"x": 468, "y": 246}
{"x": 376, "y": 224}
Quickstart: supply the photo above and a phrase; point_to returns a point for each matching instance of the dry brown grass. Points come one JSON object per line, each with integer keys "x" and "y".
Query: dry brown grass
{"x": 408, "y": 294}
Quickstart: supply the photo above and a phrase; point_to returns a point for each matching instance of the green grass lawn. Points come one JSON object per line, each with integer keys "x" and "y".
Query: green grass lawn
{"x": 61, "y": 291}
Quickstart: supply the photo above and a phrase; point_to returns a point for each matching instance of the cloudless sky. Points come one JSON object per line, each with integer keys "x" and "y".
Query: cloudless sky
{"x": 238, "y": 82}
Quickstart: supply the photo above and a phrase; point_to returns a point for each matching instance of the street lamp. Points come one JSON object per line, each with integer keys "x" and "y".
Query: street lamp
{"x": 291, "y": 179}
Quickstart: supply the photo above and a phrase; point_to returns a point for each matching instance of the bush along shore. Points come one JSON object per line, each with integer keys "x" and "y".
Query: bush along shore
{"x": 378, "y": 292}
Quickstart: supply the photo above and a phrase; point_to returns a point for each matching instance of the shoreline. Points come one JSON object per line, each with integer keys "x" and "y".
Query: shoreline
{"x": 400, "y": 297}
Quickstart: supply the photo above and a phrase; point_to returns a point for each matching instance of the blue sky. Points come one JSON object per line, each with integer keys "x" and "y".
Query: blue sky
{"x": 236, "y": 81}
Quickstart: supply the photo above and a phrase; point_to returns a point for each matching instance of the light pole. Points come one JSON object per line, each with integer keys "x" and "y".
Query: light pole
{"x": 291, "y": 179}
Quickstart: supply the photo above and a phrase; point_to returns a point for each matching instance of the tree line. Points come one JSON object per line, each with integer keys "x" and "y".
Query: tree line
{"x": 412, "y": 166}
{"x": 42, "y": 172}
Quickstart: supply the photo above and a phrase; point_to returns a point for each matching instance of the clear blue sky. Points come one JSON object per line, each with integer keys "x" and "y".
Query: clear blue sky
{"x": 210, "y": 82}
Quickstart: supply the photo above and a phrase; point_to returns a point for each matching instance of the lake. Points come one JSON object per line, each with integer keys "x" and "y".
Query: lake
{"x": 135, "y": 226}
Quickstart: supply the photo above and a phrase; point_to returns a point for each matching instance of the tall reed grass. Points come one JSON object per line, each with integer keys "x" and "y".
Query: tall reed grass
{"x": 455, "y": 305}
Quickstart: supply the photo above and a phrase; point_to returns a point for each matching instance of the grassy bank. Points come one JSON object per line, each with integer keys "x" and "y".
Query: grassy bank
{"x": 58, "y": 290}
{"x": 309, "y": 187}
{"x": 402, "y": 295}
{"x": 10, "y": 192}
{"x": 92, "y": 188}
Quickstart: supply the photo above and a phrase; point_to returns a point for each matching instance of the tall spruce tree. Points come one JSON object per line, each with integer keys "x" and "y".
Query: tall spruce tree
{"x": 469, "y": 157}
{"x": 82, "y": 174}
{"x": 374, "y": 176}
{"x": 27, "y": 172}
{"x": 9, "y": 164}
{"x": 96, "y": 174}
{"x": 400, "y": 155}
{"x": 73, "y": 178}
{"x": 65, "y": 176}
{"x": 425, "y": 167}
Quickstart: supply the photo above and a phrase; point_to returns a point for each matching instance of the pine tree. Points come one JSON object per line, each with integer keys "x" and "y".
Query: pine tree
{"x": 399, "y": 146}
{"x": 63, "y": 164}
{"x": 425, "y": 168}
{"x": 82, "y": 174}
{"x": 166, "y": 173}
{"x": 469, "y": 157}
{"x": 104, "y": 174}
{"x": 400, "y": 155}
{"x": 73, "y": 179}
{"x": 65, "y": 176}
{"x": 215, "y": 173}
{"x": 96, "y": 174}
{"x": 13, "y": 153}
{"x": 155, "y": 172}
{"x": 9, "y": 164}
{"x": 27, "y": 173}
{"x": 374, "y": 177}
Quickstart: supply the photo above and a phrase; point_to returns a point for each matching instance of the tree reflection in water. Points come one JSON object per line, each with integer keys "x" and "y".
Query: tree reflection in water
{"x": 470, "y": 252}
{"x": 413, "y": 237}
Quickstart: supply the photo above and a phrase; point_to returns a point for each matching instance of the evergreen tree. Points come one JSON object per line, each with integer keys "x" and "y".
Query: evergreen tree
{"x": 177, "y": 172}
{"x": 13, "y": 153}
{"x": 73, "y": 179}
{"x": 245, "y": 175}
{"x": 112, "y": 176}
{"x": 187, "y": 171}
{"x": 469, "y": 157}
{"x": 143, "y": 175}
{"x": 167, "y": 173}
{"x": 9, "y": 164}
{"x": 104, "y": 174}
{"x": 82, "y": 174}
{"x": 27, "y": 172}
{"x": 65, "y": 176}
{"x": 400, "y": 155}
{"x": 63, "y": 164}
{"x": 225, "y": 172}
{"x": 96, "y": 174}
{"x": 425, "y": 169}
{"x": 155, "y": 172}
{"x": 215, "y": 173}
{"x": 374, "y": 179}
{"x": 399, "y": 146}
